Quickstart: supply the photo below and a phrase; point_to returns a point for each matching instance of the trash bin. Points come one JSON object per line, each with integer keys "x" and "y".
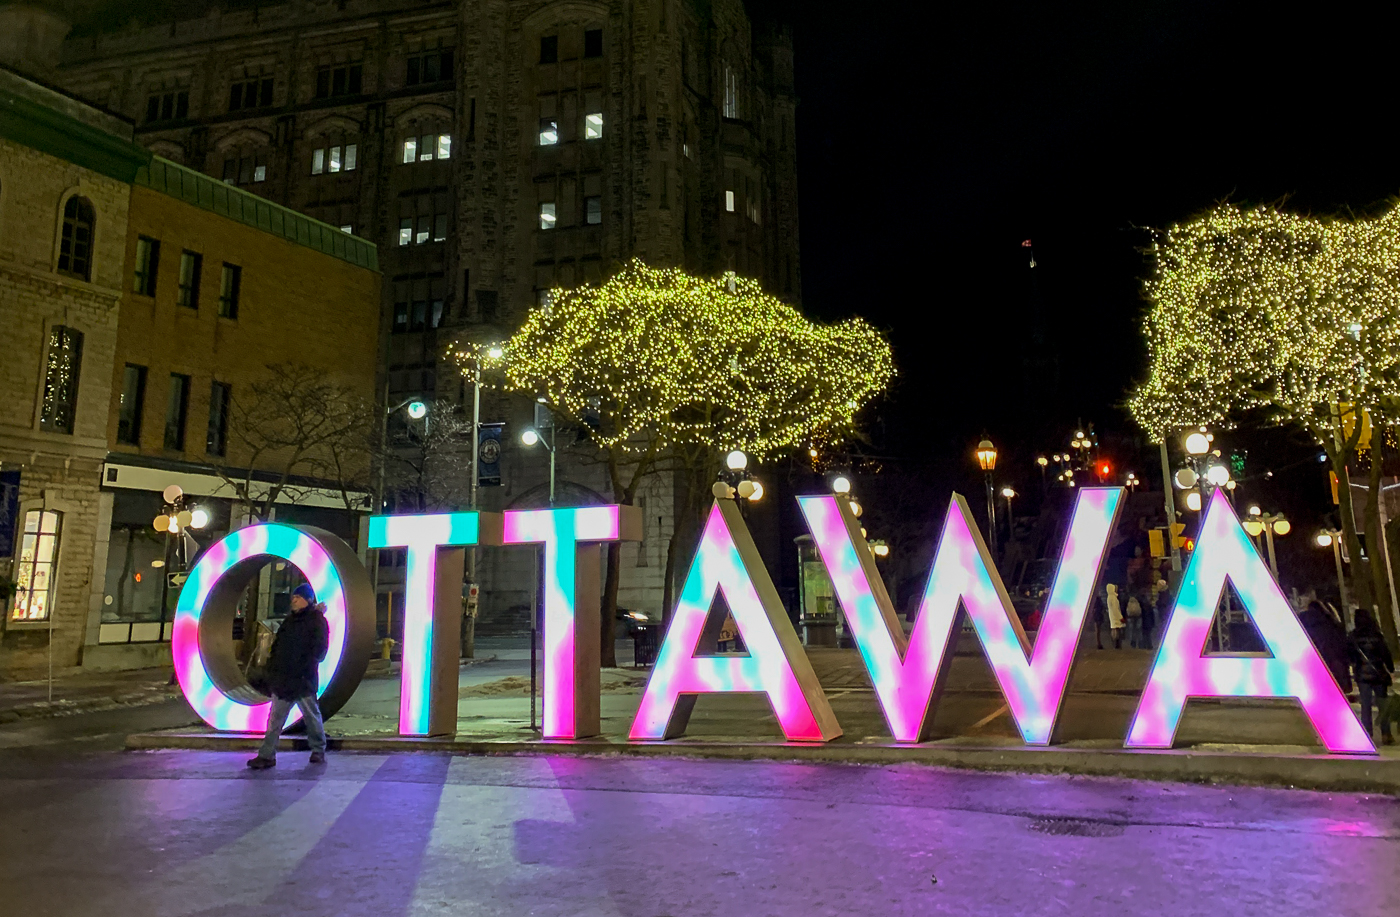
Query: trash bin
{"x": 646, "y": 639}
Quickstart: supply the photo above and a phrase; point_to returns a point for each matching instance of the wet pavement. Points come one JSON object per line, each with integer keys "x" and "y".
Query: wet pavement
{"x": 122, "y": 834}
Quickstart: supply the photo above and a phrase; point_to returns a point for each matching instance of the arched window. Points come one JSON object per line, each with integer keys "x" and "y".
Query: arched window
{"x": 75, "y": 249}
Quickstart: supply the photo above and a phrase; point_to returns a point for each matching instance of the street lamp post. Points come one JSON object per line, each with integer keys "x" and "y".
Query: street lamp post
{"x": 416, "y": 409}
{"x": 531, "y": 437}
{"x": 1333, "y": 539}
{"x": 469, "y": 620}
{"x": 1008, "y": 493}
{"x": 987, "y": 459}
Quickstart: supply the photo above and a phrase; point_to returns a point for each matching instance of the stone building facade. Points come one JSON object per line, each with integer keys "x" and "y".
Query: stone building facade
{"x": 492, "y": 150}
{"x": 140, "y": 301}
{"x": 64, "y": 198}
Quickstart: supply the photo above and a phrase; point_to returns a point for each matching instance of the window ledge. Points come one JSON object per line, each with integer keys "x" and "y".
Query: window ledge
{"x": 28, "y": 625}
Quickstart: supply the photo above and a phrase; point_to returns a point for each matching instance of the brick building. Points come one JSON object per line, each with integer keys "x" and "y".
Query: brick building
{"x": 119, "y": 367}
{"x": 64, "y": 196}
{"x": 223, "y": 289}
{"x": 492, "y": 150}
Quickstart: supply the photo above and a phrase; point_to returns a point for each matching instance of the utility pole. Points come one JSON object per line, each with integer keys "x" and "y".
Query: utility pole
{"x": 1171, "y": 511}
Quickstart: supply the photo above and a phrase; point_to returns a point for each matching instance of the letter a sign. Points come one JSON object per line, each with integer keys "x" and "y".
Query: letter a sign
{"x": 728, "y": 562}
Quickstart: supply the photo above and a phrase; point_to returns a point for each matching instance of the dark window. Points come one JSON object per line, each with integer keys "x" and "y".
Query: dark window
{"x": 229, "y": 283}
{"x": 549, "y": 49}
{"x": 255, "y": 93}
{"x": 216, "y": 441}
{"x": 133, "y": 400}
{"x": 593, "y": 43}
{"x": 246, "y": 170}
{"x": 437, "y": 301}
{"x": 168, "y": 106}
{"x": 75, "y": 248}
{"x": 191, "y": 266}
{"x": 346, "y": 79}
{"x": 177, "y": 405}
{"x": 488, "y": 305}
{"x": 61, "y": 379}
{"x": 429, "y": 68}
{"x": 147, "y": 263}
{"x": 419, "y": 304}
{"x": 593, "y": 210}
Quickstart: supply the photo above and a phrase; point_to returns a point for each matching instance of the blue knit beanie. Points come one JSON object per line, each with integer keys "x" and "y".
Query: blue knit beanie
{"x": 306, "y": 592}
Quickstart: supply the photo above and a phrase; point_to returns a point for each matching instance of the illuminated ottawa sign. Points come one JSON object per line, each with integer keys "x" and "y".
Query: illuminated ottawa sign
{"x": 906, "y": 671}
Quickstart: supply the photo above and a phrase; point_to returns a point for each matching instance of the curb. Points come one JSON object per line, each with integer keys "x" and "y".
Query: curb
{"x": 44, "y": 709}
{"x": 1318, "y": 772}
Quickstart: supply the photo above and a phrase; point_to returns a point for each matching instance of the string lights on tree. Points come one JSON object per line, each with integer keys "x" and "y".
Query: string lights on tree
{"x": 660, "y": 366}
{"x": 1288, "y": 318}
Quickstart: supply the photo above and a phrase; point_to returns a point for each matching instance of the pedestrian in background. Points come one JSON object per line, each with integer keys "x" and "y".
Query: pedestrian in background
{"x": 1330, "y": 638}
{"x": 1134, "y": 616}
{"x": 292, "y": 679}
{"x": 1374, "y": 666}
{"x": 1098, "y": 613}
{"x": 1115, "y": 616}
{"x": 1149, "y": 614}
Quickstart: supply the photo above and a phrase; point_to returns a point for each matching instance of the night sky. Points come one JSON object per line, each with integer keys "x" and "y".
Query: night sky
{"x": 935, "y": 138}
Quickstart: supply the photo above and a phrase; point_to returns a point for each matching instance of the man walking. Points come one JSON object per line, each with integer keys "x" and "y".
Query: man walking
{"x": 301, "y": 643}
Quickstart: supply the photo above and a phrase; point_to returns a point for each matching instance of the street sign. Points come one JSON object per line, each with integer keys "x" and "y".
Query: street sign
{"x": 1156, "y": 542}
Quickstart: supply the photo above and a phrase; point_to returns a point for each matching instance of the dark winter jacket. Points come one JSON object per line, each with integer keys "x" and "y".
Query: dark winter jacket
{"x": 1371, "y": 657}
{"x": 301, "y": 643}
{"x": 1328, "y": 635}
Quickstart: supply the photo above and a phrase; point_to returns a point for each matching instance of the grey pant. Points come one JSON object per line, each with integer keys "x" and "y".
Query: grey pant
{"x": 310, "y": 713}
{"x": 1135, "y": 633}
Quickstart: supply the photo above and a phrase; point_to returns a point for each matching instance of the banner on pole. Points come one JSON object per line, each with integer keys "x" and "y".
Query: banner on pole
{"x": 9, "y": 511}
{"x": 488, "y": 455}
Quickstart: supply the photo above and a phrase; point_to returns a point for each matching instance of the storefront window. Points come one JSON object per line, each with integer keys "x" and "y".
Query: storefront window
{"x": 38, "y": 558}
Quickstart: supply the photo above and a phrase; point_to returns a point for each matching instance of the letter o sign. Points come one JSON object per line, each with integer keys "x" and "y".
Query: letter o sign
{"x": 202, "y": 643}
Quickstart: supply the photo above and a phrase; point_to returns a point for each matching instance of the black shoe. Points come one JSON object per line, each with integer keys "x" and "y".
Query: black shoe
{"x": 318, "y": 757}
{"x": 261, "y": 764}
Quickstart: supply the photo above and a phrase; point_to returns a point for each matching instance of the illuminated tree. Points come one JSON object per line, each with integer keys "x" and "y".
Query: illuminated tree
{"x": 666, "y": 371}
{"x": 1289, "y": 318}
{"x": 292, "y": 431}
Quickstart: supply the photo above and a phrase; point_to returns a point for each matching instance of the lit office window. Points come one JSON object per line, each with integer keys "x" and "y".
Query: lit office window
{"x": 548, "y": 216}
{"x": 549, "y": 132}
{"x": 593, "y": 126}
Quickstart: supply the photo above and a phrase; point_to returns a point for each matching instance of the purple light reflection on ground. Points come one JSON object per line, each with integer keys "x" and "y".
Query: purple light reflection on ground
{"x": 425, "y": 834}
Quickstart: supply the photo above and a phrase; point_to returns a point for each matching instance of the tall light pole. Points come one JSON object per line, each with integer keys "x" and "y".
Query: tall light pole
{"x": 469, "y": 621}
{"x": 1333, "y": 539}
{"x": 987, "y": 459}
{"x": 416, "y": 409}
{"x": 531, "y": 437}
{"x": 1008, "y": 493}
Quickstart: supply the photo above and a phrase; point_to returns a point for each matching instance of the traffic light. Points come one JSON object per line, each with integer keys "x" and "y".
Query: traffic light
{"x": 1179, "y": 540}
{"x": 1156, "y": 543}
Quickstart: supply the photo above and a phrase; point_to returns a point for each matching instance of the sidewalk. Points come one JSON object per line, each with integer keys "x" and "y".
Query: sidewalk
{"x": 80, "y": 692}
{"x": 1245, "y": 742}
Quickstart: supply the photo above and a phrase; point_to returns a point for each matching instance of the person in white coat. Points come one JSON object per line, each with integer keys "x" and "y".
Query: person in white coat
{"x": 1115, "y": 616}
